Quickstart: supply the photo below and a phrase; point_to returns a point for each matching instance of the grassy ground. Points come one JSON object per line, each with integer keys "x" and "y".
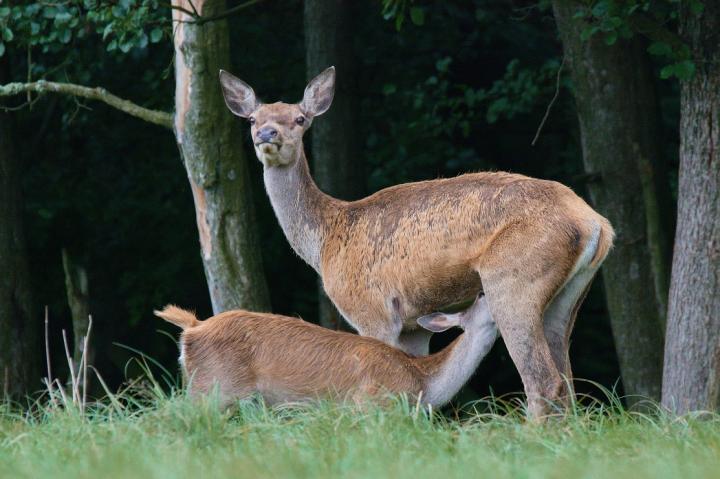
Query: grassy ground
{"x": 173, "y": 437}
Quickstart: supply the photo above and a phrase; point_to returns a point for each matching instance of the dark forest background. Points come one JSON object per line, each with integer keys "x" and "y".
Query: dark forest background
{"x": 458, "y": 87}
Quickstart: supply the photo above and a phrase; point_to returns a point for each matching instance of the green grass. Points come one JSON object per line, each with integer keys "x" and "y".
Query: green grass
{"x": 152, "y": 435}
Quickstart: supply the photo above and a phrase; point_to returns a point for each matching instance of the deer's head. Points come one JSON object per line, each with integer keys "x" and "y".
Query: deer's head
{"x": 277, "y": 128}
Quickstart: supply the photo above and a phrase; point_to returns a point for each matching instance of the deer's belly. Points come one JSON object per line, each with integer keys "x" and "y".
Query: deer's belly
{"x": 444, "y": 289}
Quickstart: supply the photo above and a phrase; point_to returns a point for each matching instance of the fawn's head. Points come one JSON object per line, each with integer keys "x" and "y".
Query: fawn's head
{"x": 474, "y": 318}
{"x": 277, "y": 128}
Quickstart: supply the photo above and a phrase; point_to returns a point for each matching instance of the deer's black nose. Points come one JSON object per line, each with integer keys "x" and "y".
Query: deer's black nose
{"x": 267, "y": 133}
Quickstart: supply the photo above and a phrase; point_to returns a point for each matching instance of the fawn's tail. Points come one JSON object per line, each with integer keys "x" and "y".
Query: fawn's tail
{"x": 178, "y": 316}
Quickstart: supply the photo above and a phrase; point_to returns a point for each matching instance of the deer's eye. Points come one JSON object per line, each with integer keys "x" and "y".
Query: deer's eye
{"x": 300, "y": 120}
{"x": 251, "y": 120}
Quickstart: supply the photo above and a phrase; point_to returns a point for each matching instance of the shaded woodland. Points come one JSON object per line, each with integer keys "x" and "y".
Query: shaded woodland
{"x": 118, "y": 200}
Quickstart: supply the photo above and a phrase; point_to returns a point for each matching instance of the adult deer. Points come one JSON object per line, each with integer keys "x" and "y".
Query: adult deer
{"x": 237, "y": 352}
{"x": 532, "y": 246}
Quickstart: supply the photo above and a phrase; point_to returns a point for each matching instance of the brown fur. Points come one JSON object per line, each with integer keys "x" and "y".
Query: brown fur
{"x": 531, "y": 245}
{"x": 287, "y": 359}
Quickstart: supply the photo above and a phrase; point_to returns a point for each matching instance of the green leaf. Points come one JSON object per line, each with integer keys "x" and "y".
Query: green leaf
{"x": 112, "y": 45}
{"x": 49, "y": 12}
{"x": 7, "y": 34}
{"x": 389, "y": 89}
{"x": 580, "y": 13}
{"x": 63, "y": 17}
{"x": 34, "y": 28}
{"x": 600, "y": 8}
{"x": 660, "y": 49}
{"x": 399, "y": 19}
{"x": 65, "y": 35}
{"x": 417, "y": 16}
{"x": 2, "y": 49}
{"x": 685, "y": 69}
{"x": 107, "y": 30}
{"x": 588, "y": 32}
{"x": 4, "y": 12}
{"x": 156, "y": 34}
{"x": 697, "y": 7}
{"x": 667, "y": 71}
{"x": 126, "y": 47}
{"x": 611, "y": 38}
{"x": 443, "y": 64}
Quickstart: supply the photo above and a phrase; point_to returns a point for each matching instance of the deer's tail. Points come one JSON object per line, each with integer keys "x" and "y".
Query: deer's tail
{"x": 178, "y": 316}
{"x": 605, "y": 242}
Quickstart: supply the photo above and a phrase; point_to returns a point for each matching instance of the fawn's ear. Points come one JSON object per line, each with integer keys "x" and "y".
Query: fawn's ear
{"x": 239, "y": 97}
{"x": 319, "y": 93}
{"x": 439, "y": 322}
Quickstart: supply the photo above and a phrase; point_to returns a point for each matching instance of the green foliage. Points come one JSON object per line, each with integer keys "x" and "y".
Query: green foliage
{"x": 621, "y": 19}
{"x": 157, "y": 437}
{"x": 123, "y": 25}
{"x": 397, "y": 10}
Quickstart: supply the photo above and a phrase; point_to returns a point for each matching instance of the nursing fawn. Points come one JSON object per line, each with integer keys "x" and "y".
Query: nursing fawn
{"x": 284, "y": 359}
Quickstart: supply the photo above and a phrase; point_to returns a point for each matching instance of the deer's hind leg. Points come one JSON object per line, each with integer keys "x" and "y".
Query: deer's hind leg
{"x": 520, "y": 278}
{"x": 559, "y": 320}
{"x": 560, "y": 314}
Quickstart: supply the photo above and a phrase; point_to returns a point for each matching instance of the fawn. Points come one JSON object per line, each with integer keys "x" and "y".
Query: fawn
{"x": 285, "y": 359}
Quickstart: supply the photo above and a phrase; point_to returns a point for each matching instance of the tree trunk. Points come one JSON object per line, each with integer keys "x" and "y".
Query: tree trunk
{"x": 616, "y": 110}
{"x": 337, "y": 166}
{"x": 691, "y": 378}
{"x": 209, "y": 141}
{"x": 78, "y": 296}
{"x": 19, "y": 323}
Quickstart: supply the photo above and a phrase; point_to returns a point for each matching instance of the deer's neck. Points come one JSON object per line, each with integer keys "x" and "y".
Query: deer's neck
{"x": 448, "y": 370}
{"x": 303, "y": 211}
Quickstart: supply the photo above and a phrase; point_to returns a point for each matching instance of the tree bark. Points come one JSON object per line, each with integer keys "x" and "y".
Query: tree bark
{"x": 616, "y": 108}
{"x": 78, "y": 296}
{"x": 335, "y": 144}
{"x": 691, "y": 379}
{"x": 19, "y": 324}
{"x": 209, "y": 143}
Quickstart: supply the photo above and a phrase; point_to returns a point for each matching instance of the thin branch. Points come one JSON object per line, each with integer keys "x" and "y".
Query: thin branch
{"x": 550, "y": 105}
{"x": 183, "y": 10}
{"x": 26, "y": 104}
{"x": 100, "y": 94}
{"x": 192, "y": 5}
{"x": 47, "y": 345}
{"x": 198, "y": 19}
{"x": 227, "y": 13}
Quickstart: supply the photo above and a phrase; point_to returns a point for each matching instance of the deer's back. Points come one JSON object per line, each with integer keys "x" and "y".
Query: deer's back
{"x": 410, "y": 249}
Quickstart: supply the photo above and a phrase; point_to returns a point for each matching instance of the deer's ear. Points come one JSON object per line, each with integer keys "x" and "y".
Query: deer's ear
{"x": 439, "y": 322}
{"x": 239, "y": 97}
{"x": 319, "y": 93}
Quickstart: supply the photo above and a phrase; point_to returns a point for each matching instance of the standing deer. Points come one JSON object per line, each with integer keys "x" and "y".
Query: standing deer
{"x": 533, "y": 246}
{"x": 287, "y": 359}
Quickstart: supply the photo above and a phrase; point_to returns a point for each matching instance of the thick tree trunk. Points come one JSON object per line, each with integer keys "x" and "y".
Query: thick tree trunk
{"x": 19, "y": 323}
{"x": 78, "y": 296}
{"x": 209, "y": 141}
{"x": 337, "y": 165}
{"x": 691, "y": 379}
{"x": 616, "y": 111}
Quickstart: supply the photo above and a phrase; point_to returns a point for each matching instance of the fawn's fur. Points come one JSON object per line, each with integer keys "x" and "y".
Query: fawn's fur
{"x": 286, "y": 359}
